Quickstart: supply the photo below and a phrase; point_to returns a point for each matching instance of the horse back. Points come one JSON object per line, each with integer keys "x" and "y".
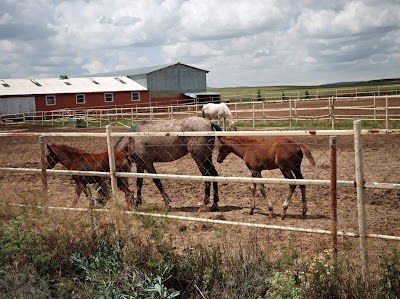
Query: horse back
{"x": 281, "y": 153}
{"x": 170, "y": 148}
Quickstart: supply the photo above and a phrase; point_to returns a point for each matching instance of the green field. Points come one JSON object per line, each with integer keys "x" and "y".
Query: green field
{"x": 362, "y": 88}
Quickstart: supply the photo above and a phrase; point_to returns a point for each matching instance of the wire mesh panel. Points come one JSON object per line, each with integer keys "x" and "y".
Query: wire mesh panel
{"x": 380, "y": 165}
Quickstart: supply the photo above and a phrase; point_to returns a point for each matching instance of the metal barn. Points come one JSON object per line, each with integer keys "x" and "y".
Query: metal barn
{"x": 167, "y": 84}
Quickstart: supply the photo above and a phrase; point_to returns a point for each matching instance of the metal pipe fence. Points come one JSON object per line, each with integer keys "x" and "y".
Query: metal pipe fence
{"x": 331, "y": 182}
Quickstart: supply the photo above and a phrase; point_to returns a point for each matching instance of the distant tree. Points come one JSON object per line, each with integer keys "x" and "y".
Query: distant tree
{"x": 283, "y": 95}
{"x": 259, "y": 95}
{"x": 307, "y": 95}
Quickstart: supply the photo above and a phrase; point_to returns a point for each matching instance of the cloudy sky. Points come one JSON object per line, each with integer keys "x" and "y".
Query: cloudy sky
{"x": 241, "y": 42}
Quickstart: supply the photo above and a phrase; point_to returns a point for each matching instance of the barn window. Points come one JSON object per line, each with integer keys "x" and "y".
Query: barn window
{"x": 120, "y": 80}
{"x": 108, "y": 97}
{"x": 50, "y": 100}
{"x": 5, "y": 84}
{"x": 135, "y": 96}
{"x": 80, "y": 99}
{"x": 35, "y": 82}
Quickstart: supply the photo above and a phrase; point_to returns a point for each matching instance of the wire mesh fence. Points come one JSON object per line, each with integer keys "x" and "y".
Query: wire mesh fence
{"x": 21, "y": 183}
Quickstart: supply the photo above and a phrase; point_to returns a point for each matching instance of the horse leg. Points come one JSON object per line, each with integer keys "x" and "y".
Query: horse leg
{"x": 139, "y": 185}
{"x": 123, "y": 185}
{"x": 257, "y": 174}
{"x": 299, "y": 176}
{"x": 207, "y": 168}
{"x": 287, "y": 175}
{"x": 79, "y": 187}
{"x": 149, "y": 167}
{"x": 224, "y": 120}
{"x": 104, "y": 191}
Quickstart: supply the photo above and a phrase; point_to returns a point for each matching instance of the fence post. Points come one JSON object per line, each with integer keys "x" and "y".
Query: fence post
{"x": 387, "y": 113}
{"x": 332, "y": 109}
{"x": 374, "y": 107}
{"x": 43, "y": 164}
{"x": 360, "y": 196}
{"x": 290, "y": 113}
{"x": 333, "y": 195}
{"x": 254, "y": 116}
{"x": 111, "y": 159}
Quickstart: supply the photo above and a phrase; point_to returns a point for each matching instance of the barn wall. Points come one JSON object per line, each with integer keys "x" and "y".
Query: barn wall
{"x": 140, "y": 79}
{"x": 13, "y": 105}
{"x": 177, "y": 78}
{"x": 93, "y": 100}
{"x": 170, "y": 100}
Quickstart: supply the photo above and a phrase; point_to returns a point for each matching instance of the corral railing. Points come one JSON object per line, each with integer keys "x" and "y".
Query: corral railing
{"x": 358, "y": 183}
{"x": 246, "y": 94}
{"x": 251, "y": 113}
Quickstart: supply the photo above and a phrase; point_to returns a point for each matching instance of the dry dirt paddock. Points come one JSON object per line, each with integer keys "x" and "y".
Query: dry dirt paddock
{"x": 381, "y": 164}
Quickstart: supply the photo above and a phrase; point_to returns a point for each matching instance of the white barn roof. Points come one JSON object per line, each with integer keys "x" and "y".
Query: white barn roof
{"x": 14, "y": 87}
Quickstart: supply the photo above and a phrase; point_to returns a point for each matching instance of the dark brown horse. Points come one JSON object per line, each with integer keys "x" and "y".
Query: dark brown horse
{"x": 283, "y": 153}
{"x": 75, "y": 159}
{"x": 146, "y": 150}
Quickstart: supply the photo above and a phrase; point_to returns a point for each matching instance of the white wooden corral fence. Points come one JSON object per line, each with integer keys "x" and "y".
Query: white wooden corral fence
{"x": 359, "y": 183}
{"x": 332, "y": 109}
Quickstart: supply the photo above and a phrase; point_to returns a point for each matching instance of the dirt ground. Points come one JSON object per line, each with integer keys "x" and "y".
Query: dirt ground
{"x": 381, "y": 164}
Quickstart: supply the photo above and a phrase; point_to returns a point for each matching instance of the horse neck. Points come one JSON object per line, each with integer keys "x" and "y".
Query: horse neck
{"x": 236, "y": 145}
{"x": 67, "y": 157}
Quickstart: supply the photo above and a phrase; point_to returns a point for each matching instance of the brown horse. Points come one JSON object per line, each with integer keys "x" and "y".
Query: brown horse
{"x": 75, "y": 159}
{"x": 145, "y": 150}
{"x": 283, "y": 153}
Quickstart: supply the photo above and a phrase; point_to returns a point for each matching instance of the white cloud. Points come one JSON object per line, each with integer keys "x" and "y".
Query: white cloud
{"x": 239, "y": 42}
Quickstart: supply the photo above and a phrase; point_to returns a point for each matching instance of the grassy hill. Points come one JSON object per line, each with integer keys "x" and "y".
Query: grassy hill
{"x": 357, "y": 88}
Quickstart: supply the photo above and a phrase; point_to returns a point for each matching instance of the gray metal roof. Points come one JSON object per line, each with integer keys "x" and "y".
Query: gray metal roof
{"x": 13, "y": 87}
{"x": 140, "y": 71}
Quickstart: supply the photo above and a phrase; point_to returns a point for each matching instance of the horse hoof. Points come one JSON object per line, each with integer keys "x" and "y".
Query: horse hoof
{"x": 203, "y": 208}
{"x": 251, "y": 212}
{"x": 214, "y": 208}
{"x": 283, "y": 216}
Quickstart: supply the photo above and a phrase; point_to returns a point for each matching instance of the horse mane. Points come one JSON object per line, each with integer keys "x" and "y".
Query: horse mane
{"x": 66, "y": 148}
{"x": 241, "y": 139}
{"x": 135, "y": 127}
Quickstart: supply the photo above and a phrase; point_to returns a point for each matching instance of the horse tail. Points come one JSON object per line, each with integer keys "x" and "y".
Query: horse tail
{"x": 307, "y": 152}
{"x": 124, "y": 143}
{"x": 203, "y": 113}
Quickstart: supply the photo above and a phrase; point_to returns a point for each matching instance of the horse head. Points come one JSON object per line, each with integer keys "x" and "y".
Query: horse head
{"x": 51, "y": 157}
{"x": 233, "y": 126}
{"x": 224, "y": 150}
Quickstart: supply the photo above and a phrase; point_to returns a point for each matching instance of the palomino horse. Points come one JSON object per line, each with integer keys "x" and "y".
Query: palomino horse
{"x": 218, "y": 111}
{"x": 146, "y": 150}
{"x": 283, "y": 153}
{"x": 75, "y": 159}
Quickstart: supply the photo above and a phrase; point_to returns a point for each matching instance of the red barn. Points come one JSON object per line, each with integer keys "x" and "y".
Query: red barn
{"x": 33, "y": 95}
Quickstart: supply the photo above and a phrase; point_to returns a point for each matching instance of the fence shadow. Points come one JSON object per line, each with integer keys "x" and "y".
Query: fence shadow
{"x": 194, "y": 209}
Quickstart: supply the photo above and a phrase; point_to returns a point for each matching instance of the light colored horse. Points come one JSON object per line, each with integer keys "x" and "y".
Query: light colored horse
{"x": 144, "y": 151}
{"x": 218, "y": 111}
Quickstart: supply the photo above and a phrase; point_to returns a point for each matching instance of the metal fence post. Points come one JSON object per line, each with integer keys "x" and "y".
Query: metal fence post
{"x": 360, "y": 196}
{"x": 333, "y": 194}
{"x": 111, "y": 159}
